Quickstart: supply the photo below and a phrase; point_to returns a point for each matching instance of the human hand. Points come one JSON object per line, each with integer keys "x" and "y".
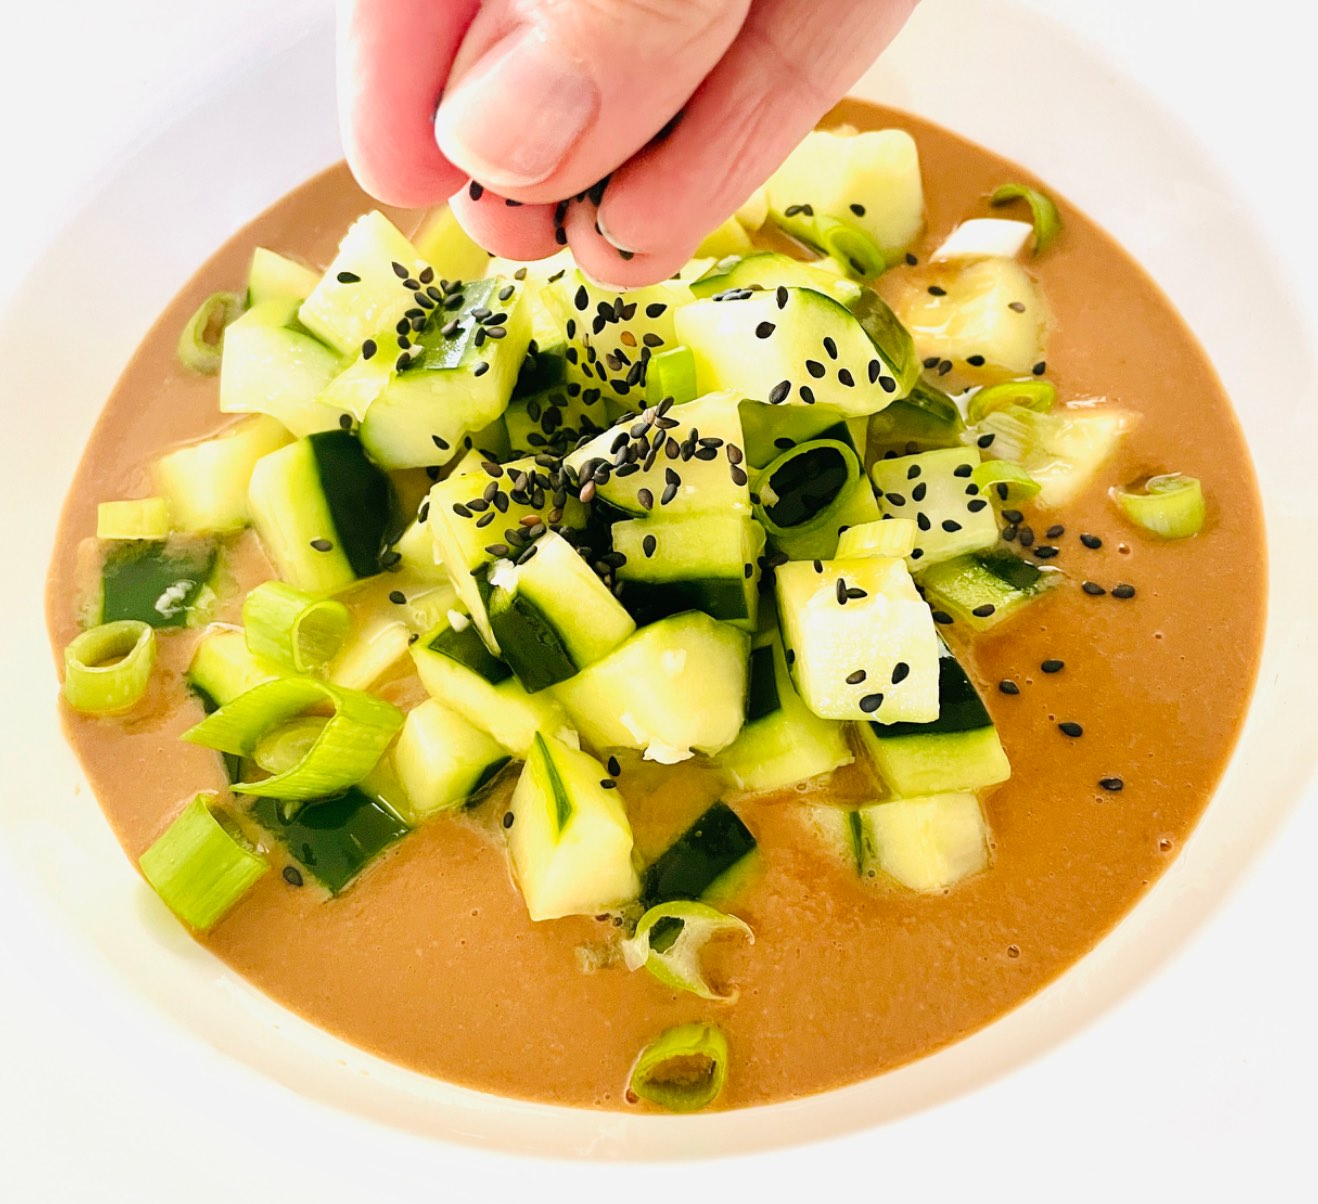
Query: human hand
{"x": 542, "y": 99}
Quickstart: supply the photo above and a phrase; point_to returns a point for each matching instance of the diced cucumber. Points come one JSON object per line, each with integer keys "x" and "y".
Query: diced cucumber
{"x": 271, "y": 365}
{"x": 887, "y": 537}
{"x": 796, "y": 346}
{"x": 867, "y": 183}
{"x": 987, "y": 316}
{"x": 442, "y": 760}
{"x": 334, "y": 839}
{"x": 551, "y": 421}
{"x": 700, "y": 859}
{"x": 959, "y": 750}
{"x": 768, "y": 270}
{"x": 924, "y": 419}
{"x": 463, "y": 532}
{"x": 930, "y": 843}
{"x": 169, "y": 584}
{"x": 570, "y": 842}
{"x": 275, "y": 277}
{"x": 223, "y": 667}
{"x": 461, "y": 673}
{"x": 783, "y": 741}
{"x": 1061, "y": 450}
{"x": 454, "y": 377}
{"x": 416, "y": 548}
{"x": 449, "y": 249}
{"x": 983, "y": 590}
{"x": 859, "y": 638}
{"x": 611, "y": 335}
{"x": 706, "y": 562}
{"x": 935, "y": 488}
{"x": 703, "y": 476}
{"x": 551, "y": 615}
{"x": 205, "y": 484}
{"x": 844, "y": 833}
{"x": 324, "y": 512}
{"x": 728, "y": 238}
{"x": 376, "y": 646}
{"x": 135, "y": 518}
{"x": 362, "y": 292}
{"x": 810, "y": 494}
{"x": 676, "y": 686}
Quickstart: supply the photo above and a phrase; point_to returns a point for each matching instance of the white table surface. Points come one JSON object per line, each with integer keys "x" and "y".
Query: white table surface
{"x": 1230, "y": 1108}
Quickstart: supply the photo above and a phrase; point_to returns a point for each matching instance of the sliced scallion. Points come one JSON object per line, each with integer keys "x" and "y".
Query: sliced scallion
{"x": 1036, "y": 395}
{"x": 346, "y": 749}
{"x": 887, "y": 537}
{"x": 671, "y": 374}
{"x": 1047, "y": 221}
{"x": 684, "y": 1070}
{"x": 670, "y": 938}
{"x": 1171, "y": 505}
{"x": 1004, "y": 481}
{"x": 107, "y": 668}
{"x": 202, "y": 342}
{"x": 139, "y": 518}
{"x": 199, "y": 867}
{"x": 850, "y": 247}
{"x": 292, "y": 629}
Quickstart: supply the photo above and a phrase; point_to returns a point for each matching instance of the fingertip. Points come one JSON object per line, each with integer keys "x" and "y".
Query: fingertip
{"x": 618, "y": 267}
{"x": 516, "y": 231}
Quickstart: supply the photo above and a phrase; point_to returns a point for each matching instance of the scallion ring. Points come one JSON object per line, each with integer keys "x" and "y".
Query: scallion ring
{"x": 1034, "y": 394}
{"x": 202, "y": 342}
{"x": 672, "y": 374}
{"x": 893, "y": 537}
{"x": 684, "y": 1069}
{"x": 854, "y": 250}
{"x": 292, "y": 629}
{"x": 346, "y": 749}
{"x": 1047, "y": 221}
{"x": 1171, "y": 505}
{"x": 108, "y": 668}
{"x": 1004, "y": 481}
{"x": 670, "y": 939}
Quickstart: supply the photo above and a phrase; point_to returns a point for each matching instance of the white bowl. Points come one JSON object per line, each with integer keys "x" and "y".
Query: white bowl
{"x": 190, "y": 1021}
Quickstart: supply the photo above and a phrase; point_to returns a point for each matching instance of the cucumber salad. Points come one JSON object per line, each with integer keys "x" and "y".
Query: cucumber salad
{"x": 524, "y": 532}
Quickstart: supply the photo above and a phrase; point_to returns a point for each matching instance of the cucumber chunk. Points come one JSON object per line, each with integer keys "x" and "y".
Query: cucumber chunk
{"x": 458, "y": 671}
{"x": 796, "y": 346}
{"x": 551, "y": 421}
{"x": 929, "y": 843}
{"x": 449, "y": 249}
{"x": 361, "y": 293}
{"x": 935, "y": 488}
{"x": 859, "y": 656}
{"x": 701, "y": 476}
{"x": 772, "y": 430}
{"x": 205, "y": 484}
{"x": 783, "y": 742}
{"x": 984, "y": 589}
{"x": 169, "y": 584}
{"x": 442, "y": 760}
{"x": 959, "y": 750}
{"x": 924, "y": 419}
{"x": 676, "y": 686}
{"x": 570, "y": 843}
{"x": 868, "y": 183}
{"x": 551, "y": 615}
{"x": 768, "y": 270}
{"x": 223, "y": 667}
{"x": 324, "y": 512}
{"x": 611, "y": 335}
{"x": 708, "y": 562}
{"x": 455, "y": 376}
{"x": 271, "y": 365}
{"x": 334, "y": 839}
{"x": 275, "y": 277}
{"x": 699, "y": 860}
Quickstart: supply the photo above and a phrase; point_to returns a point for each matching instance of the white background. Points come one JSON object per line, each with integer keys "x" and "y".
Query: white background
{"x": 1220, "y": 1106}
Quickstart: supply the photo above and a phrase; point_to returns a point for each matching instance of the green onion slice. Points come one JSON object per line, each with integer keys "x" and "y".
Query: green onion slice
{"x": 199, "y": 867}
{"x": 1004, "y": 481}
{"x": 1171, "y": 505}
{"x": 672, "y": 374}
{"x": 202, "y": 342}
{"x": 346, "y": 749}
{"x": 107, "y": 668}
{"x": 684, "y": 1070}
{"x": 140, "y": 518}
{"x": 806, "y": 485}
{"x": 851, "y": 248}
{"x": 1047, "y": 221}
{"x": 893, "y": 537}
{"x": 1034, "y": 394}
{"x": 670, "y": 938}
{"x": 294, "y": 630}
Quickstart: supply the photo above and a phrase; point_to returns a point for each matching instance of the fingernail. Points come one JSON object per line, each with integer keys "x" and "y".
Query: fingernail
{"x": 513, "y": 118}
{"x": 621, "y": 247}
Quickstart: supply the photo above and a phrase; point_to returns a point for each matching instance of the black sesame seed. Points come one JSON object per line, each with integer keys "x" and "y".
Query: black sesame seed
{"x": 368, "y": 349}
{"x": 807, "y": 395}
{"x": 764, "y": 330}
{"x": 292, "y": 875}
{"x": 935, "y": 291}
{"x": 1007, "y": 686}
{"x": 871, "y": 703}
{"x": 646, "y": 498}
{"x": 1026, "y": 537}
{"x": 401, "y": 272}
{"x": 815, "y": 368}
{"x": 1009, "y": 532}
{"x": 778, "y": 394}
{"x": 738, "y": 476}
{"x": 819, "y": 566}
{"x": 1045, "y": 551}
{"x": 1112, "y": 784}
{"x": 1090, "y": 541}
{"x": 1016, "y": 306}
{"x": 983, "y": 611}
{"x": 1040, "y": 368}
{"x": 985, "y": 440}
{"x": 1055, "y": 531}
{"x": 975, "y": 361}
{"x": 941, "y": 616}
{"x": 1013, "y": 516}
{"x": 854, "y": 679}
{"x": 919, "y": 492}
{"x": 348, "y": 278}
{"x": 1092, "y": 588}
{"x": 975, "y": 505}
{"x": 345, "y": 422}
{"x": 950, "y": 525}
{"x": 1052, "y": 665}
{"x": 322, "y": 545}
{"x": 1074, "y": 730}
{"x": 841, "y": 591}
{"x": 508, "y": 819}
{"x": 1123, "y": 591}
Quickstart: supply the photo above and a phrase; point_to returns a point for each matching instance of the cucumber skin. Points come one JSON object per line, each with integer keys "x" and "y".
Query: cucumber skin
{"x": 715, "y": 843}
{"x": 360, "y": 498}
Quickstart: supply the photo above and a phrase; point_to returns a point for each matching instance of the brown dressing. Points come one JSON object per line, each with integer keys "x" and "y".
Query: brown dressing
{"x": 429, "y": 959}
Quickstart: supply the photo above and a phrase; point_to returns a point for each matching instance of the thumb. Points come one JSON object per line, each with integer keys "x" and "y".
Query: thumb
{"x": 546, "y": 97}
